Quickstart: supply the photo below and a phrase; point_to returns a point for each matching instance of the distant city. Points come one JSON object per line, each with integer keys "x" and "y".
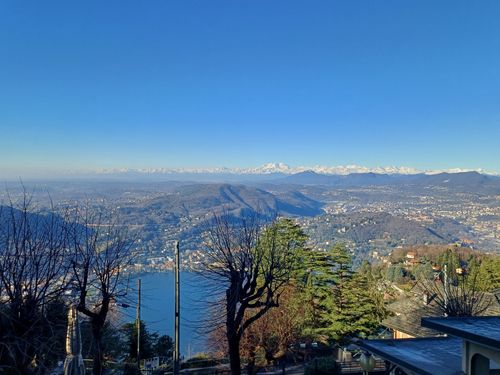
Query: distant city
{"x": 371, "y": 213}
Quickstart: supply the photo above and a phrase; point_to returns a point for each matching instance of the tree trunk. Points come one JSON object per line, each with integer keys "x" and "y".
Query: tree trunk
{"x": 97, "y": 352}
{"x": 234, "y": 355}
{"x": 233, "y": 339}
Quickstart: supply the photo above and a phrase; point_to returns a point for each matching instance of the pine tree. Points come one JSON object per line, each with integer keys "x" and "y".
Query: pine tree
{"x": 317, "y": 288}
{"x": 357, "y": 306}
{"x": 488, "y": 277}
{"x": 361, "y": 315}
{"x": 452, "y": 261}
{"x": 337, "y": 302}
{"x": 395, "y": 273}
{"x": 342, "y": 274}
{"x": 328, "y": 274}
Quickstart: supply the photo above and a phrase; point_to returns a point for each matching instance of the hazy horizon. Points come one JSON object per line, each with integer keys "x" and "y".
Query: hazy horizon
{"x": 266, "y": 169}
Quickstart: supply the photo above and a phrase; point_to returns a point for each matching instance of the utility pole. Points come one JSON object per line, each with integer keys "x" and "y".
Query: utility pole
{"x": 177, "y": 310}
{"x": 445, "y": 282}
{"x": 138, "y": 323}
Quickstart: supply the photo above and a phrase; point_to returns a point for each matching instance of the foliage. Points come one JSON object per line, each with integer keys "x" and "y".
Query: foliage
{"x": 488, "y": 278}
{"x": 457, "y": 290}
{"x": 375, "y": 288}
{"x": 342, "y": 274}
{"x": 356, "y": 306}
{"x": 44, "y": 337}
{"x": 163, "y": 346}
{"x": 273, "y": 333}
{"x": 395, "y": 273}
{"x": 254, "y": 263}
{"x": 452, "y": 260}
{"x": 423, "y": 271}
{"x": 337, "y": 302}
{"x": 320, "y": 277}
{"x": 152, "y": 344}
{"x": 360, "y": 311}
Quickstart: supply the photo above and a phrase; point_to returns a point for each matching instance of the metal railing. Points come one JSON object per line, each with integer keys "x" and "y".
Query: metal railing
{"x": 354, "y": 367}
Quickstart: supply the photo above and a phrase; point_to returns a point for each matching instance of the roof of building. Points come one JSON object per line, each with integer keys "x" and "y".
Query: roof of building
{"x": 410, "y": 309}
{"x": 423, "y": 356}
{"x": 407, "y": 313}
{"x": 409, "y": 323}
{"x": 484, "y": 330}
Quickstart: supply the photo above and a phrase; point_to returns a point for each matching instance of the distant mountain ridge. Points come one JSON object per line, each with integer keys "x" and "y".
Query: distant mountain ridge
{"x": 461, "y": 180}
{"x": 284, "y": 169}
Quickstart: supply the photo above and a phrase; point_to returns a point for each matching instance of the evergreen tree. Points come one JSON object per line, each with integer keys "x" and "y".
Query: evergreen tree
{"x": 342, "y": 274}
{"x": 327, "y": 275}
{"x": 488, "y": 277}
{"x": 423, "y": 271}
{"x": 395, "y": 273}
{"x": 361, "y": 311}
{"x": 356, "y": 305}
{"x": 112, "y": 341}
{"x": 316, "y": 290}
{"x": 375, "y": 280}
{"x": 152, "y": 344}
{"x": 452, "y": 261}
{"x": 163, "y": 347}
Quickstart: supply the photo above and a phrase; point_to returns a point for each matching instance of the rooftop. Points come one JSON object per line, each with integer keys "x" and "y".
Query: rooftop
{"x": 423, "y": 356}
{"x": 483, "y": 330}
{"x": 407, "y": 313}
{"x": 409, "y": 309}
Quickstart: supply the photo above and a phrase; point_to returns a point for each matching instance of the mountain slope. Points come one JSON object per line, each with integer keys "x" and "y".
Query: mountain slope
{"x": 201, "y": 200}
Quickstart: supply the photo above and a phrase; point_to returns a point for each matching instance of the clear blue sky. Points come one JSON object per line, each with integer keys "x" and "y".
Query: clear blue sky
{"x": 86, "y": 84}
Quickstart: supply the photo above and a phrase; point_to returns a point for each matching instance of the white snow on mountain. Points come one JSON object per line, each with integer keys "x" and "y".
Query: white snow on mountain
{"x": 283, "y": 168}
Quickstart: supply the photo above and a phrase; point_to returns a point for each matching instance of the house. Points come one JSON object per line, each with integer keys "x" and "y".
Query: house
{"x": 411, "y": 258}
{"x": 411, "y": 255}
{"x": 471, "y": 347}
{"x": 408, "y": 311}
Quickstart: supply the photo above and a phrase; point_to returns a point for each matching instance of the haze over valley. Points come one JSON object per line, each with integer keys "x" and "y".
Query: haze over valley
{"x": 372, "y": 213}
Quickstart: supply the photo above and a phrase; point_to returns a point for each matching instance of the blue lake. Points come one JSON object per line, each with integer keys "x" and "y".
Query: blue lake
{"x": 157, "y": 307}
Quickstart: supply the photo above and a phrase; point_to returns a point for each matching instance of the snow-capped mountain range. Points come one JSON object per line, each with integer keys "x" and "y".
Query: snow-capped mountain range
{"x": 282, "y": 168}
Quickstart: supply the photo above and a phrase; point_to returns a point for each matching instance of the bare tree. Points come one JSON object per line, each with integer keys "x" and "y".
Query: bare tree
{"x": 456, "y": 289}
{"x": 271, "y": 335}
{"x": 254, "y": 263}
{"x": 101, "y": 253}
{"x": 33, "y": 277}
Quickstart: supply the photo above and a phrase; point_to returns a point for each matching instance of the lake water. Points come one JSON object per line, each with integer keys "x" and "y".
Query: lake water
{"x": 158, "y": 306}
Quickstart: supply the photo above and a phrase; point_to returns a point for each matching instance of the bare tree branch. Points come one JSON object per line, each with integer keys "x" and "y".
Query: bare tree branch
{"x": 253, "y": 262}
